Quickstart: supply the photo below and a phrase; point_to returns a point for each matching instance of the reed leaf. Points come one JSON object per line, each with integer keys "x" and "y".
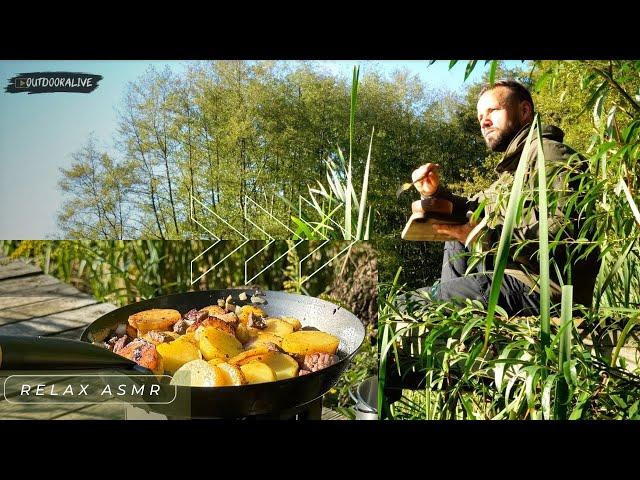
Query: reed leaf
{"x": 543, "y": 233}
{"x": 363, "y": 192}
{"x": 502, "y": 255}
{"x": 564, "y": 352}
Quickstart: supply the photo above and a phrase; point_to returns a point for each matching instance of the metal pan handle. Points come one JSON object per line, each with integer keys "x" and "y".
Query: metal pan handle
{"x": 42, "y": 353}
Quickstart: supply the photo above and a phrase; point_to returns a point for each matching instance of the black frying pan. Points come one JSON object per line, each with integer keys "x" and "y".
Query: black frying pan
{"x": 264, "y": 398}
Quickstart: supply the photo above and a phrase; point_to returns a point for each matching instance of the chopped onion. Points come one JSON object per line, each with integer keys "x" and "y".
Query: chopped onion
{"x": 257, "y": 299}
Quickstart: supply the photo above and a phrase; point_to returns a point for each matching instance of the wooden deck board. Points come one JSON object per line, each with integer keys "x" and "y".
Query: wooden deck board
{"x": 36, "y": 295}
{"x": 16, "y": 268}
{"x": 26, "y": 284}
{"x": 46, "y": 308}
{"x": 58, "y": 322}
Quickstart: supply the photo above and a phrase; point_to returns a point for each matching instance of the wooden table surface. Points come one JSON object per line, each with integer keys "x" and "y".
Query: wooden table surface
{"x": 35, "y": 304}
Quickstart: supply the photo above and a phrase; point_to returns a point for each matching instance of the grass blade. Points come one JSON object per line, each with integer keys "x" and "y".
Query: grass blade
{"x": 546, "y": 396}
{"x": 365, "y": 185}
{"x": 366, "y": 230}
{"x": 632, "y": 204}
{"x": 505, "y": 237}
{"x": 564, "y": 352}
{"x": 543, "y": 233}
{"x": 492, "y": 72}
{"x": 352, "y": 120}
{"x": 614, "y": 270}
{"x": 623, "y": 337}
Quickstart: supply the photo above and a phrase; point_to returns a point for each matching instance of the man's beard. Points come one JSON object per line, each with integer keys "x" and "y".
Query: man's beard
{"x": 501, "y": 138}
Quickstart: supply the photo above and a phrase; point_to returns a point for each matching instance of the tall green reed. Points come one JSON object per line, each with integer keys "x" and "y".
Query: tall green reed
{"x": 338, "y": 212}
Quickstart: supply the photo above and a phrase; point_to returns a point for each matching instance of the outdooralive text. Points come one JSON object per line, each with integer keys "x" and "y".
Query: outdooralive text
{"x": 43, "y": 82}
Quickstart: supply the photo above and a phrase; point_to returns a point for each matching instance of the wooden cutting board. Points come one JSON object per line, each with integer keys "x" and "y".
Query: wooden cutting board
{"x": 419, "y": 228}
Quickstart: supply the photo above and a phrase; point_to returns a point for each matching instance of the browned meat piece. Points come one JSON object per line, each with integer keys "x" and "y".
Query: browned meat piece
{"x": 230, "y": 318}
{"x": 143, "y": 353}
{"x": 181, "y": 327}
{"x": 111, "y": 341}
{"x": 120, "y": 343}
{"x": 319, "y": 360}
{"x": 303, "y": 372}
{"x": 298, "y": 358}
{"x": 195, "y": 315}
{"x": 131, "y": 331}
{"x": 220, "y": 325}
{"x": 256, "y": 321}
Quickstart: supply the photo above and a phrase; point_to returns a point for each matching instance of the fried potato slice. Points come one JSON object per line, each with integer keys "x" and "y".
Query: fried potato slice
{"x": 176, "y": 354}
{"x": 294, "y": 322}
{"x": 304, "y": 342}
{"x": 233, "y": 374}
{"x": 245, "y": 310}
{"x": 214, "y": 310}
{"x": 220, "y": 325}
{"x": 198, "y": 373}
{"x": 242, "y": 334}
{"x": 258, "y": 372}
{"x": 188, "y": 337}
{"x": 261, "y": 338}
{"x": 283, "y": 365}
{"x": 278, "y": 327}
{"x": 160, "y": 319}
{"x": 252, "y": 355}
{"x": 216, "y": 343}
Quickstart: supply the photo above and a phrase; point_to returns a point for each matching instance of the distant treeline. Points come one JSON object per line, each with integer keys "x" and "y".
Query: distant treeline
{"x": 228, "y": 130}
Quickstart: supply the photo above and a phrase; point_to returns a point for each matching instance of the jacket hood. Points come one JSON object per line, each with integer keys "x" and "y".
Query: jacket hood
{"x": 511, "y": 156}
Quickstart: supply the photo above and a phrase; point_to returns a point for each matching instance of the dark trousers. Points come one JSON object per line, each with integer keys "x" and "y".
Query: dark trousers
{"x": 515, "y": 297}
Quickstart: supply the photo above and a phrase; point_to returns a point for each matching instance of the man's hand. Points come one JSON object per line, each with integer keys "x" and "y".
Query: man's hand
{"x": 426, "y": 179}
{"x": 459, "y": 232}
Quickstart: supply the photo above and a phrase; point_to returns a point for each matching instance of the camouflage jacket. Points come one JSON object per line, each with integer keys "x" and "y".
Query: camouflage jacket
{"x": 560, "y": 161}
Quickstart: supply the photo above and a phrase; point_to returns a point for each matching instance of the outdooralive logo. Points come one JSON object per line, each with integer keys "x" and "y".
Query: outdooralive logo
{"x": 48, "y": 82}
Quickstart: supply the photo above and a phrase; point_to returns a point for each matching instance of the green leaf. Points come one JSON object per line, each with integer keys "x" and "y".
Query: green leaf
{"x": 623, "y": 338}
{"x": 500, "y": 366}
{"x": 452, "y": 63}
{"x": 630, "y": 130}
{"x": 365, "y": 185}
{"x": 366, "y": 231}
{"x": 492, "y": 72}
{"x": 546, "y": 396}
{"x": 303, "y": 230}
{"x": 470, "y": 66}
{"x": 532, "y": 373}
{"x": 630, "y": 201}
{"x": 566, "y": 324}
{"x": 543, "y": 236}
{"x": 582, "y": 402}
{"x": 614, "y": 270}
{"x": 502, "y": 255}
{"x": 597, "y": 109}
{"x": 544, "y": 78}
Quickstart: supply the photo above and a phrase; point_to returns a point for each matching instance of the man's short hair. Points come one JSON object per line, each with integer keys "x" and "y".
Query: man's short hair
{"x": 520, "y": 92}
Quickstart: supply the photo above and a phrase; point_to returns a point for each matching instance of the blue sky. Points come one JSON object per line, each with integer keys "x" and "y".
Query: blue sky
{"x": 38, "y": 133}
